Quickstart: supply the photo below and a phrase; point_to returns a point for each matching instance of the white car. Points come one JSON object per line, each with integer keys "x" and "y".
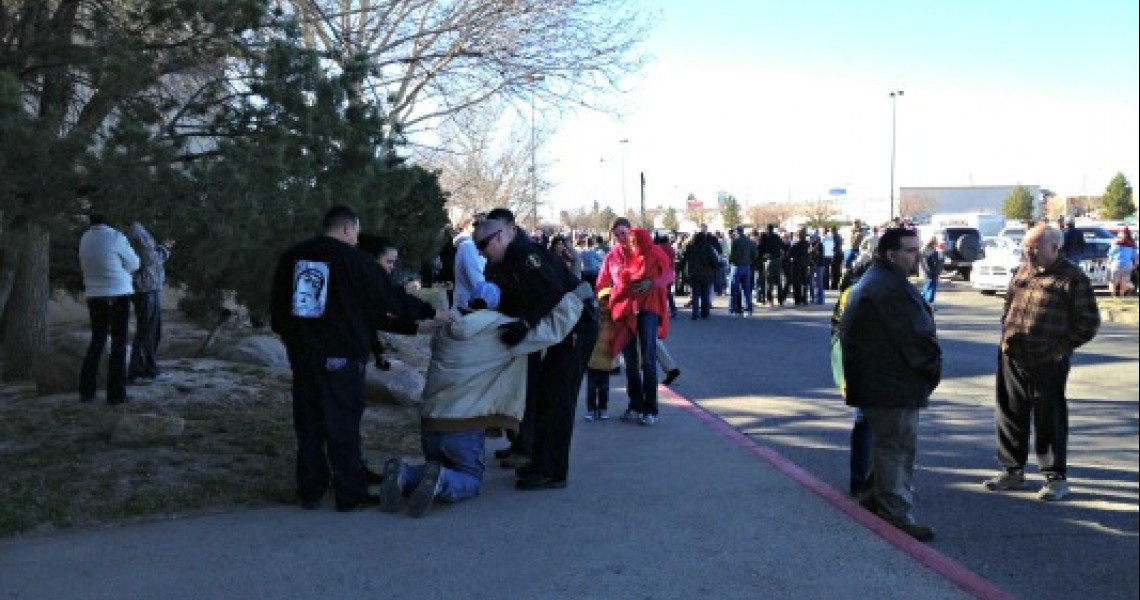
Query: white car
{"x": 1003, "y": 256}
{"x": 992, "y": 274}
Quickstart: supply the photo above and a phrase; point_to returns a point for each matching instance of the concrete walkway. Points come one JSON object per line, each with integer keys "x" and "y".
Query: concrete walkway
{"x": 687, "y": 509}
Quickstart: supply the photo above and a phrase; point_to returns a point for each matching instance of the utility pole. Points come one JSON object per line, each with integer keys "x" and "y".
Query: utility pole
{"x": 624, "y": 208}
{"x": 894, "y": 102}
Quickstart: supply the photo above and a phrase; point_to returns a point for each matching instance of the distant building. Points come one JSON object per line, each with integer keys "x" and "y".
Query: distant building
{"x": 919, "y": 203}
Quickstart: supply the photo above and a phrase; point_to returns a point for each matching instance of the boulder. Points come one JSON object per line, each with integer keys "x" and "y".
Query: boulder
{"x": 415, "y": 350}
{"x": 401, "y": 385}
{"x": 57, "y": 368}
{"x": 262, "y": 350}
{"x": 146, "y": 429}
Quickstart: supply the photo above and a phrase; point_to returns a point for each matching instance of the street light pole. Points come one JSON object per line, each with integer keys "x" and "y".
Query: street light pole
{"x": 894, "y": 102}
{"x": 533, "y": 169}
{"x": 533, "y": 79}
{"x": 623, "y": 142}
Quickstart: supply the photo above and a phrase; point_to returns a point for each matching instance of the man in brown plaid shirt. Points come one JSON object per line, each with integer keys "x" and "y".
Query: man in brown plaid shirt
{"x": 1050, "y": 311}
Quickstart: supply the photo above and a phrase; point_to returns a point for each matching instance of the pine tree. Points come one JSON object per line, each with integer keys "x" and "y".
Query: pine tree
{"x": 1117, "y": 201}
{"x": 730, "y": 211}
{"x": 1018, "y": 204}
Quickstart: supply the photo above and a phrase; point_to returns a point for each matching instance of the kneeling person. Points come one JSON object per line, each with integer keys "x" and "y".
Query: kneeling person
{"x": 474, "y": 382}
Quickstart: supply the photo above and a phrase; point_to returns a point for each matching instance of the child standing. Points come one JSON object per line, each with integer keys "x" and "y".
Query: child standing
{"x": 601, "y": 364}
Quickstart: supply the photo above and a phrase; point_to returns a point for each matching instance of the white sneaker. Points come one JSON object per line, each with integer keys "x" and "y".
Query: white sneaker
{"x": 1053, "y": 490}
{"x": 1006, "y": 480}
{"x": 648, "y": 420}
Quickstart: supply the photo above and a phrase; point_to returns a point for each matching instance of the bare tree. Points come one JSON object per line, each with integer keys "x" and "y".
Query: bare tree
{"x": 818, "y": 212}
{"x": 770, "y": 213}
{"x": 432, "y": 59}
{"x": 487, "y": 165}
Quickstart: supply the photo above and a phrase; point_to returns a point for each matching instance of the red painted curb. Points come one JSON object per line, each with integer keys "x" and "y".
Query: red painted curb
{"x": 960, "y": 576}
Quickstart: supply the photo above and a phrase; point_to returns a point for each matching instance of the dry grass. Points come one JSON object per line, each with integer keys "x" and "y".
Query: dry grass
{"x": 61, "y": 469}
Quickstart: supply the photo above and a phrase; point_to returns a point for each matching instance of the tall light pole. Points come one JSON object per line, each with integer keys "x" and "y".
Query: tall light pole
{"x": 894, "y": 102}
{"x": 533, "y": 169}
{"x": 533, "y": 152}
{"x": 623, "y": 142}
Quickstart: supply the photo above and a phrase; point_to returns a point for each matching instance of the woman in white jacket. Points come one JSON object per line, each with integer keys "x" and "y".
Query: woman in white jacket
{"x": 108, "y": 262}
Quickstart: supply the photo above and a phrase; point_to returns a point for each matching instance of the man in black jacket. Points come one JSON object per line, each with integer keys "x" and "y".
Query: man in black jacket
{"x": 891, "y": 364}
{"x": 324, "y": 297}
{"x": 533, "y": 280}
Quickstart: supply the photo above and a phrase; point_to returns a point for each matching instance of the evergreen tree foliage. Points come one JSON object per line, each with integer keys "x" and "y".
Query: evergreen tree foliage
{"x": 1018, "y": 204}
{"x": 730, "y": 211}
{"x": 310, "y": 142}
{"x": 1117, "y": 201}
{"x": 671, "y": 220}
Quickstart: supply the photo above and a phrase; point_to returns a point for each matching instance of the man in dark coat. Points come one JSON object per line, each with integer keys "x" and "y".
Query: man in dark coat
{"x": 891, "y": 364}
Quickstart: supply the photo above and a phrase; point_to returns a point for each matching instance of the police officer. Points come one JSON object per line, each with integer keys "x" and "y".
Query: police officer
{"x": 325, "y": 294}
{"x": 533, "y": 280}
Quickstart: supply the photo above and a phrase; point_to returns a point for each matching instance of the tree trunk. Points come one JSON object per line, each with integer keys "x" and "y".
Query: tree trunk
{"x": 25, "y": 316}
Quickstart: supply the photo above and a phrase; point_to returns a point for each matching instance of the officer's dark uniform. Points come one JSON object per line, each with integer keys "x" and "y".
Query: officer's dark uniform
{"x": 324, "y": 295}
{"x": 533, "y": 280}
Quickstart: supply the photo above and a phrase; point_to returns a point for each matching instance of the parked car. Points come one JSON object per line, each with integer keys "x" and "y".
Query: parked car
{"x": 993, "y": 273}
{"x": 960, "y": 247}
{"x": 1003, "y": 257}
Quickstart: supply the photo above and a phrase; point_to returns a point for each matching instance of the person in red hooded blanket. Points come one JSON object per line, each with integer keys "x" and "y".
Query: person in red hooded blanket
{"x": 638, "y": 272}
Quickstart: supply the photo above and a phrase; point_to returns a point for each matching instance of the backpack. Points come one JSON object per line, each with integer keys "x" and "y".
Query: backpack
{"x": 850, "y": 278}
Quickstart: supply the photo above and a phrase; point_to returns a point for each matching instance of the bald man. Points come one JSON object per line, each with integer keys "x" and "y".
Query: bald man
{"x": 1050, "y": 311}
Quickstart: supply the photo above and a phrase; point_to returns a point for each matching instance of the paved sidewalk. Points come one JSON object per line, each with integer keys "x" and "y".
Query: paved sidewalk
{"x": 687, "y": 509}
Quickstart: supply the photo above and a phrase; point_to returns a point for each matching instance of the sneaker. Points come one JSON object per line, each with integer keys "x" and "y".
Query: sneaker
{"x": 630, "y": 416}
{"x": 161, "y": 377}
{"x": 671, "y": 376}
{"x": 590, "y": 415}
{"x": 1010, "y": 479}
{"x": 424, "y": 495}
{"x": 603, "y": 415}
{"x": 1053, "y": 490}
{"x": 391, "y": 494}
{"x": 648, "y": 420}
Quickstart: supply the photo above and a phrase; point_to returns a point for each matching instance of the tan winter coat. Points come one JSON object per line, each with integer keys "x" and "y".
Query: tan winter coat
{"x": 474, "y": 380}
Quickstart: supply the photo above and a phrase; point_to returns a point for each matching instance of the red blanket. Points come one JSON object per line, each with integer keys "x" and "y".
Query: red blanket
{"x": 648, "y": 262}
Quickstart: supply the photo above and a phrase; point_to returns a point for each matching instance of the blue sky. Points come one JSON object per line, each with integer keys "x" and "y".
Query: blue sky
{"x": 774, "y": 101}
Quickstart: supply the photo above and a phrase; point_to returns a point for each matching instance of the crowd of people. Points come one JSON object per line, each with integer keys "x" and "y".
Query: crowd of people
{"x": 528, "y": 318}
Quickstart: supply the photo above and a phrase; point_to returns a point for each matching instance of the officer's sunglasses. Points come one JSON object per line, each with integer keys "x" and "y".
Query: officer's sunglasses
{"x": 482, "y": 244}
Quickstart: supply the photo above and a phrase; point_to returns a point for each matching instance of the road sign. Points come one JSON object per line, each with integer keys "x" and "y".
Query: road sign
{"x": 837, "y": 191}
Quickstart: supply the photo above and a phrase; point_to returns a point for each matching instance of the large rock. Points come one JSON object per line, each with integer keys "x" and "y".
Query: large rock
{"x": 414, "y": 350}
{"x": 402, "y": 385}
{"x": 57, "y": 369}
{"x": 262, "y": 350}
{"x": 146, "y": 429}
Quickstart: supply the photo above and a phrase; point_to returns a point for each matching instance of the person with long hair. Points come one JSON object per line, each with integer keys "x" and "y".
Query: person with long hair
{"x": 638, "y": 272}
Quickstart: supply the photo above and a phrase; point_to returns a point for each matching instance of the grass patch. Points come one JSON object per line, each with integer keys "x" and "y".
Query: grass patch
{"x": 61, "y": 469}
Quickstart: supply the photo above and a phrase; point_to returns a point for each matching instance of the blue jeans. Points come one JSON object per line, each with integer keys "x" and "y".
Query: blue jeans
{"x": 641, "y": 365}
{"x": 461, "y": 454}
{"x": 818, "y": 283}
{"x": 929, "y": 289}
{"x": 741, "y": 285}
{"x": 702, "y": 298}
